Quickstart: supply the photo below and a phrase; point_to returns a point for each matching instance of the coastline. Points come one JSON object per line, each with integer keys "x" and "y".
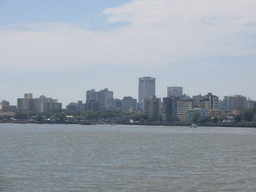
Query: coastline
{"x": 244, "y": 125}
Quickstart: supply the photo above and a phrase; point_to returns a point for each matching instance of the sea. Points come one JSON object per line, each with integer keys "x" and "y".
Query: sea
{"x": 59, "y": 157}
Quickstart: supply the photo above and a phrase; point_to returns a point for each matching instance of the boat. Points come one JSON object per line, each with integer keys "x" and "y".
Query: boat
{"x": 193, "y": 126}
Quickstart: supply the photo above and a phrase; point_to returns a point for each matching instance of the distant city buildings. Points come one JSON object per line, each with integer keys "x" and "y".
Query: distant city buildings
{"x": 169, "y": 108}
{"x": 91, "y": 95}
{"x": 254, "y": 107}
{"x": 103, "y": 97}
{"x": 236, "y": 103}
{"x": 175, "y": 107}
{"x": 146, "y": 89}
{"x": 223, "y": 104}
{"x": 92, "y": 105}
{"x": 196, "y": 100}
{"x": 28, "y": 104}
{"x": 113, "y": 104}
{"x": 152, "y": 107}
{"x": 209, "y": 102}
{"x": 79, "y": 106}
{"x": 129, "y": 104}
{"x": 175, "y": 91}
{"x": 249, "y": 103}
{"x": 5, "y": 107}
{"x": 183, "y": 106}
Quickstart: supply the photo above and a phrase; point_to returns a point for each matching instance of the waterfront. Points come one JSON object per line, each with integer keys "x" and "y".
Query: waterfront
{"x": 41, "y": 157}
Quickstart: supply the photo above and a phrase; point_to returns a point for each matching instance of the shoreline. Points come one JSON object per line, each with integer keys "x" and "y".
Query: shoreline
{"x": 245, "y": 125}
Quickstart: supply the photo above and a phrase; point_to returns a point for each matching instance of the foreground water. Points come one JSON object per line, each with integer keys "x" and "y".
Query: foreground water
{"x": 126, "y": 158}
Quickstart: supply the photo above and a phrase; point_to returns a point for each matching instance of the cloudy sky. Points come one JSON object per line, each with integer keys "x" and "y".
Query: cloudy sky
{"x": 63, "y": 48}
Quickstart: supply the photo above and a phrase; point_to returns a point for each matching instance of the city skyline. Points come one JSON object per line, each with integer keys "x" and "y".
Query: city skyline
{"x": 64, "y": 48}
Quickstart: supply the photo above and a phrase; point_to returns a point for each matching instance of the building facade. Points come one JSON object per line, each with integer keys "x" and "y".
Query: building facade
{"x": 129, "y": 104}
{"x": 175, "y": 91}
{"x": 5, "y": 107}
{"x": 236, "y": 103}
{"x": 183, "y": 106}
{"x": 146, "y": 89}
{"x": 169, "y": 109}
{"x": 209, "y": 102}
{"x": 28, "y": 104}
{"x": 91, "y": 95}
{"x": 92, "y": 106}
{"x": 152, "y": 107}
{"x": 102, "y": 97}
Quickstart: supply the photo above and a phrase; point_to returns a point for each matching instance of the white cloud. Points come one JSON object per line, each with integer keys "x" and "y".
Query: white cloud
{"x": 158, "y": 32}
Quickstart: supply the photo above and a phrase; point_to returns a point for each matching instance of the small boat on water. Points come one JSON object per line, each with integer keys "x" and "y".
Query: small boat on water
{"x": 193, "y": 126}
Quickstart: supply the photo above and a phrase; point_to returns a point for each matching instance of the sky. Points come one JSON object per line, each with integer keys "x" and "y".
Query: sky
{"x": 63, "y": 48}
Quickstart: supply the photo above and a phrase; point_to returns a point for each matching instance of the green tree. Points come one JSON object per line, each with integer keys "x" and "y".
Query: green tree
{"x": 92, "y": 115}
{"x": 20, "y": 115}
{"x": 215, "y": 120}
{"x": 247, "y": 114}
{"x": 223, "y": 116}
{"x": 195, "y": 117}
{"x": 60, "y": 116}
{"x": 238, "y": 118}
{"x": 46, "y": 114}
{"x": 204, "y": 119}
{"x": 254, "y": 118}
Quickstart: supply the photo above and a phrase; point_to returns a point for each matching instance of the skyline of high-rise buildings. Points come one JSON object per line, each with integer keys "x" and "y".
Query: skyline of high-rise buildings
{"x": 175, "y": 106}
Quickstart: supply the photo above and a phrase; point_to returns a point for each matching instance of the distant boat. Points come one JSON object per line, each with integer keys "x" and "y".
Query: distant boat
{"x": 193, "y": 126}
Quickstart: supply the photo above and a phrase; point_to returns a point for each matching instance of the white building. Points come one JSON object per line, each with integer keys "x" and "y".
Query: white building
{"x": 183, "y": 106}
{"x": 146, "y": 88}
{"x": 91, "y": 95}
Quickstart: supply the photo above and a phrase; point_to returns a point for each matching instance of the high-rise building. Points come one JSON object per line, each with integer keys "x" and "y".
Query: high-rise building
{"x": 91, "y": 95}
{"x": 146, "y": 88}
{"x": 183, "y": 106}
{"x": 169, "y": 108}
{"x": 209, "y": 102}
{"x": 175, "y": 91}
{"x": 92, "y": 106}
{"x": 28, "y": 104}
{"x": 223, "y": 104}
{"x": 103, "y": 96}
{"x": 249, "y": 103}
{"x": 5, "y": 107}
{"x": 112, "y": 104}
{"x": 152, "y": 107}
{"x": 236, "y": 103}
{"x": 129, "y": 104}
{"x": 254, "y": 107}
{"x": 196, "y": 100}
{"x": 52, "y": 104}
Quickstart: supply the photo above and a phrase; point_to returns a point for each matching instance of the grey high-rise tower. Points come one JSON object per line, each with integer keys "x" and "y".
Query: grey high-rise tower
{"x": 146, "y": 88}
{"x": 174, "y": 91}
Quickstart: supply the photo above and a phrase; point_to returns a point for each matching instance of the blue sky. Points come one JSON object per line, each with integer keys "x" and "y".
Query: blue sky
{"x": 61, "y": 49}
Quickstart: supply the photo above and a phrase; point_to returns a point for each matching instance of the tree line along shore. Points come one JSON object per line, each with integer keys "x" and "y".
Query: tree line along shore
{"x": 246, "y": 118}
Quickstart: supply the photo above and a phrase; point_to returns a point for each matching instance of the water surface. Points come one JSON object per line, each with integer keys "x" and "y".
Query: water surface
{"x": 126, "y": 158}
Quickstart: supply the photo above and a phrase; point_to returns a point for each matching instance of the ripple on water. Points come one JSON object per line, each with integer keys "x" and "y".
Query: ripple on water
{"x": 126, "y": 158}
